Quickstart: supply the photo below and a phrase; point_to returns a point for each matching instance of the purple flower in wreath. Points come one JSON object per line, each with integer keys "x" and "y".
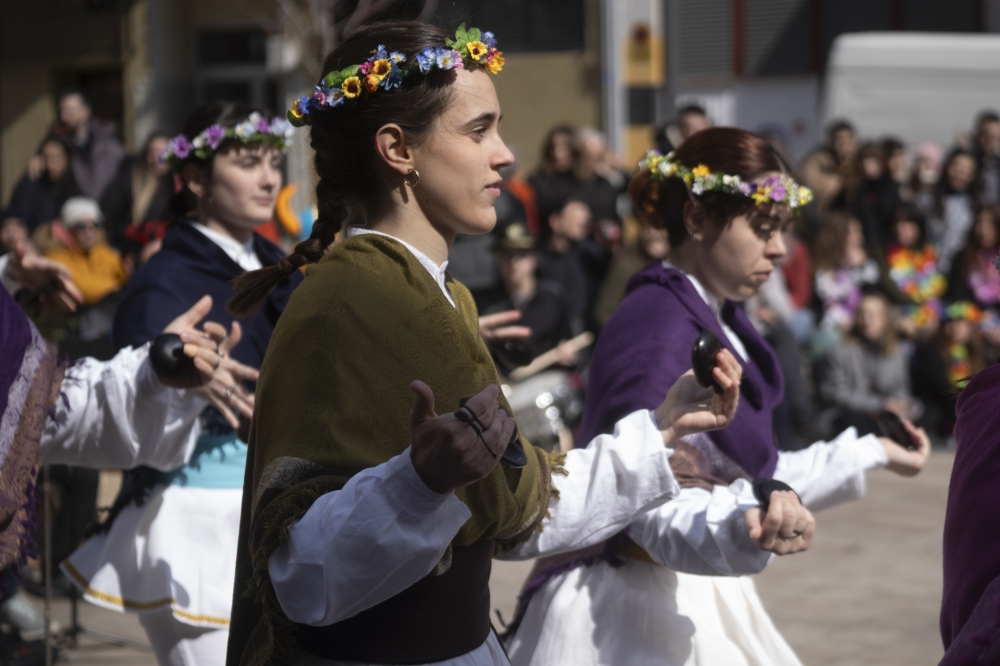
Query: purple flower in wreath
{"x": 182, "y": 147}
{"x": 214, "y": 136}
{"x": 262, "y": 125}
{"x": 748, "y": 188}
{"x": 778, "y": 193}
{"x": 489, "y": 40}
{"x": 771, "y": 181}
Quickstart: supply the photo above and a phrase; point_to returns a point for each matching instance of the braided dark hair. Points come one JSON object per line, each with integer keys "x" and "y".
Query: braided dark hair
{"x": 354, "y": 181}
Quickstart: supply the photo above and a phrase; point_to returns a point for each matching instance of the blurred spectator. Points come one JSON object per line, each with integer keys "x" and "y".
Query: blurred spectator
{"x": 12, "y": 231}
{"x": 140, "y": 192}
{"x": 830, "y": 170}
{"x": 96, "y": 153}
{"x": 652, "y": 245}
{"x": 896, "y": 165}
{"x": 555, "y": 181}
{"x": 987, "y": 153}
{"x": 843, "y": 269}
{"x": 690, "y": 119}
{"x": 951, "y": 217}
{"x": 867, "y": 372}
{"x": 540, "y": 301}
{"x": 797, "y": 271}
{"x": 96, "y": 267}
{"x": 514, "y": 183}
{"x": 471, "y": 259}
{"x": 600, "y": 183}
{"x": 566, "y": 260}
{"x": 38, "y": 200}
{"x": 877, "y": 195}
{"x": 973, "y": 276}
{"x": 926, "y": 173}
{"x": 939, "y": 367}
{"x": 913, "y": 268}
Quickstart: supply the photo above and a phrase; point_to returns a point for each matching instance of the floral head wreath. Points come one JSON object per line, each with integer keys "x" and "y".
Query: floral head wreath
{"x": 255, "y": 128}
{"x": 773, "y": 189}
{"x": 963, "y": 310}
{"x": 387, "y": 70}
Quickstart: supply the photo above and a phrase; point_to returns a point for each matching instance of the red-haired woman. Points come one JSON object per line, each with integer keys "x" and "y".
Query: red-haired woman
{"x": 725, "y": 200}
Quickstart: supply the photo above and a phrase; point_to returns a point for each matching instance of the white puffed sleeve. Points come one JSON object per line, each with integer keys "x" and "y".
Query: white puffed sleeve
{"x": 117, "y": 414}
{"x": 830, "y": 473}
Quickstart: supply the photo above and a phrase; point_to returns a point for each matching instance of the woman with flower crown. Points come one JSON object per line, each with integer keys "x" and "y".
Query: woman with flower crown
{"x": 369, "y": 521}
{"x": 725, "y": 199}
{"x": 168, "y": 549}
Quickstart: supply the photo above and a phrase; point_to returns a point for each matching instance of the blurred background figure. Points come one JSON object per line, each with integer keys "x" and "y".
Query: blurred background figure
{"x": 877, "y": 195}
{"x": 951, "y": 215}
{"x": 557, "y": 176}
{"x": 573, "y": 260}
{"x": 973, "y": 276}
{"x": 987, "y": 153}
{"x": 942, "y": 365}
{"x": 13, "y": 231}
{"x": 96, "y": 267}
{"x": 96, "y": 151}
{"x": 830, "y": 171}
{"x": 37, "y": 199}
{"x": 139, "y": 194}
{"x": 690, "y": 119}
{"x": 867, "y": 371}
{"x": 912, "y": 266}
{"x": 925, "y": 175}
{"x": 652, "y": 245}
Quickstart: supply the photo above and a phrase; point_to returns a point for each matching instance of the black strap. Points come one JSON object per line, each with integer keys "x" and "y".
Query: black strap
{"x": 762, "y": 489}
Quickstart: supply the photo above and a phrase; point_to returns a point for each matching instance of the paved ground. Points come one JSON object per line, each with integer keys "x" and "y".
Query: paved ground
{"x": 867, "y": 593}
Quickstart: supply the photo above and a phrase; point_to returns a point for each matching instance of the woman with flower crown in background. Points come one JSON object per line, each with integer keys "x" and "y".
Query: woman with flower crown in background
{"x": 725, "y": 199}
{"x": 369, "y": 522}
{"x": 168, "y": 549}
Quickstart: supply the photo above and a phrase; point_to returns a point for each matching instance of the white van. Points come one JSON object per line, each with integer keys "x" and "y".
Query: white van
{"x": 914, "y": 86}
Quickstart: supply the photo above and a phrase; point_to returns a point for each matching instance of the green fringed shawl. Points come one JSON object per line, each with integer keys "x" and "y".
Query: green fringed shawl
{"x": 334, "y": 399}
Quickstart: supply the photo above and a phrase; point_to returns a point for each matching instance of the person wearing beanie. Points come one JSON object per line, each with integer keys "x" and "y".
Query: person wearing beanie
{"x": 96, "y": 267}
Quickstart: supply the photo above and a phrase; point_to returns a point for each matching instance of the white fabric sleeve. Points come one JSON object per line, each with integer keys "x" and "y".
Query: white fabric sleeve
{"x": 703, "y": 532}
{"x": 361, "y": 545}
{"x": 609, "y": 484}
{"x": 6, "y": 279}
{"x": 830, "y": 473}
{"x": 117, "y": 413}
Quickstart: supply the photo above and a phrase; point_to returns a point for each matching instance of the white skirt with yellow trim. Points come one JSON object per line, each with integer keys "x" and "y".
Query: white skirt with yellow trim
{"x": 177, "y": 551}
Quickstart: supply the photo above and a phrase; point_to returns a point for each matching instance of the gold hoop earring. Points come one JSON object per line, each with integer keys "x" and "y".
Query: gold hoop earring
{"x": 415, "y": 175}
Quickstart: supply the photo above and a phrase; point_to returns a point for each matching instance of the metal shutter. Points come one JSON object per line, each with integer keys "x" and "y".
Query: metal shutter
{"x": 776, "y": 34}
{"x": 938, "y": 16}
{"x": 706, "y": 37}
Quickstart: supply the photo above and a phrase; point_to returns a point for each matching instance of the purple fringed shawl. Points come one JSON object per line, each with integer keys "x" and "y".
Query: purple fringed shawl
{"x": 30, "y": 379}
{"x": 646, "y": 346}
{"x": 972, "y": 522}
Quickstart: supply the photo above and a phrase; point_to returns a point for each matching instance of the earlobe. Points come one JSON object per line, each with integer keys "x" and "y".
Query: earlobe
{"x": 391, "y": 145}
{"x": 194, "y": 178}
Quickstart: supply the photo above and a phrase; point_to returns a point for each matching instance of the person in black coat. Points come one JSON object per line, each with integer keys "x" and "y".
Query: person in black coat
{"x": 140, "y": 193}
{"x": 38, "y": 201}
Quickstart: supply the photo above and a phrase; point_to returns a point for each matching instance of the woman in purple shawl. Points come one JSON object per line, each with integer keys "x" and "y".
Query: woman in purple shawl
{"x": 970, "y": 607}
{"x": 724, "y": 198}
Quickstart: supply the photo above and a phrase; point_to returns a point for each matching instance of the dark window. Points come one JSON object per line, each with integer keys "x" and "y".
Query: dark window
{"x": 776, "y": 37}
{"x": 938, "y": 16}
{"x": 706, "y": 37}
{"x": 231, "y": 47}
{"x": 227, "y": 91}
{"x": 520, "y": 25}
{"x": 854, "y": 16}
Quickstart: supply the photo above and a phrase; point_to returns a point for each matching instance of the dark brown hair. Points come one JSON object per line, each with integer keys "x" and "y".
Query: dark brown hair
{"x": 354, "y": 181}
{"x": 725, "y": 150}
{"x": 547, "y": 166}
{"x": 831, "y": 240}
{"x": 225, "y": 114}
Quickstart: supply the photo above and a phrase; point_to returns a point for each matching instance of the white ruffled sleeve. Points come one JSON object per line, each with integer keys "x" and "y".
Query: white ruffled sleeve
{"x": 117, "y": 414}
{"x": 703, "y": 532}
{"x": 830, "y": 473}
{"x": 385, "y": 530}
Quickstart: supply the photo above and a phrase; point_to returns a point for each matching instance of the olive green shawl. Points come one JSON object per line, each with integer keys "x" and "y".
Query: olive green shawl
{"x": 334, "y": 399}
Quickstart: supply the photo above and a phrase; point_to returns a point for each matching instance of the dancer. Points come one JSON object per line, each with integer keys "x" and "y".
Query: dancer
{"x": 115, "y": 413}
{"x": 725, "y": 199}
{"x": 168, "y": 549}
{"x": 363, "y": 538}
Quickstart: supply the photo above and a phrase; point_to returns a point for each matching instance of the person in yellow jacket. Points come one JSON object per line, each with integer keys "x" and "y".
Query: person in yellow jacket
{"x": 96, "y": 267}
